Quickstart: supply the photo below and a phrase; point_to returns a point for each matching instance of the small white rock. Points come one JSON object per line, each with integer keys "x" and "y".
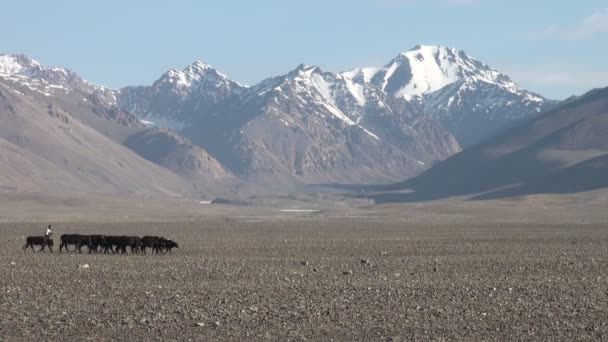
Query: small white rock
{"x": 84, "y": 266}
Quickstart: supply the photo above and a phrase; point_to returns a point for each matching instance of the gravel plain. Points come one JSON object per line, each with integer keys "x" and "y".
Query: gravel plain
{"x": 312, "y": 279}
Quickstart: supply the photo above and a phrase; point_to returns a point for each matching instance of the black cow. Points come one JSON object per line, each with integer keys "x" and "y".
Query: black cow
{"x": 74, "y": 239}
{"x": 122, "y": 242}
{"x": 110, "y": 242}
{"x": 97, "y": 242}
{"x": 153, "y": 242}
{"x": 42, "y": 241}
{"x": 168, "y": 245}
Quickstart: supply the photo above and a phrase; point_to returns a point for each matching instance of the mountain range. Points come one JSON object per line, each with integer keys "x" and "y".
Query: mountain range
{"x": 60, "y": 133}
{"x": 367, "y": 124}
{"x": 196, "y": 132}
{"x": 564, "y": 150}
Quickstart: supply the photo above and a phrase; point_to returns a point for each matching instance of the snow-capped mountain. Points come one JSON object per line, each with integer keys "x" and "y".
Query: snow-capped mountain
{"x": 472, "y": 100}
{"x": 48, "y": 81}
{"x": 311, "y": 86}
{"x": 426, "y": 69}
{"x": 308, "y": 125}
{"x": 60, "y": 124}
{"x": 176, "y": 94}
{"x": 395, "y": 120}
{"x": 563, "y": 150}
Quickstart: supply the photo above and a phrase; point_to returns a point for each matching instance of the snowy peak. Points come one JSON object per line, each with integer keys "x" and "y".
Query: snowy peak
{"x": 199, "y": 78}
{"x": 178, "y": 97}
{"x": 427, "y": 82}
{"x": 197, "y": 75}
{"x": 198, "y": 67}
{"x": 20, "y": 66}
{"x": 305, "y": 71}
{"x": 17, "y": 64}
{"x": 31, "y": 74}
{"x": 304, "y": 79}
{"x": 426, "y": 69}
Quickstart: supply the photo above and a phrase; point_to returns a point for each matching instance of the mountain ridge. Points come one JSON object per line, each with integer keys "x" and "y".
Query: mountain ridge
{"x": 373, "y": 124}
{"x": 53, "y": 107}
{"x": 441, "y": 87}
{"x": 561, "y": 151}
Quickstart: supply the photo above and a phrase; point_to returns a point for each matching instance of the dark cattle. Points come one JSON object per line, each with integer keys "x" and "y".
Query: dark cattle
{"x": 97, "y": 242}
{"x": 85, "y": 241}
{"x": 115, "y": 243}
{"x": 167, "y": 245}
{"x": 135, "y": 244}
{"x": 42, "y": 241}
{"x": 74, "y": 239}
{"x": 153, "y": 242}
{"x": 122, "y": 242}
{"x": 111, "y": 242}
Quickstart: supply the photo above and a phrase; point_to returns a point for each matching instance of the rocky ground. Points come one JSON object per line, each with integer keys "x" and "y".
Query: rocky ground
{"x": 312, "y": 279}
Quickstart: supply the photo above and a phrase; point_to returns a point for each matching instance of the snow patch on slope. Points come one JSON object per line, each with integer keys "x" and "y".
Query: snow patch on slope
{"x": 9, "y": 65}
{"x": 31, "y": 74}
{"x": 431, "y": 70}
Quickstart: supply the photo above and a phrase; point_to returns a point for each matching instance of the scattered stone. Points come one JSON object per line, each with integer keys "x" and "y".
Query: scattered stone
{"x": 435, "y": 269}
{"x": 200, "y": 324}
{"x": 13, "y": 263}
{"x": 365, "y": 262}
{"x": 84, "y": 266}
{"x": 315, "y": 269}
{"x": 347, "y": 272}
{"x": 304, "y": 263}
{"x": 383, "y": 253}
{"x": 216, "y": 324}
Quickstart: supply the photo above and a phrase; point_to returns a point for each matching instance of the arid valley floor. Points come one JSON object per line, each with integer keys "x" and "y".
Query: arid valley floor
{"x": 370, "y": 275}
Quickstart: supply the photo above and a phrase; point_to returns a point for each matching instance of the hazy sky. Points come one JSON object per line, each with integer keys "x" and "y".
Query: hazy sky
{"x": 554, "y": 48}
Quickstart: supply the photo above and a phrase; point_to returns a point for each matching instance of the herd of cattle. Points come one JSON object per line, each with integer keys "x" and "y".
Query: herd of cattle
{"x": 104, "y": 243}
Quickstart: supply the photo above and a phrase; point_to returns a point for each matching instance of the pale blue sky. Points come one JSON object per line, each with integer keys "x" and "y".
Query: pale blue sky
{"x": 554, "y": 48}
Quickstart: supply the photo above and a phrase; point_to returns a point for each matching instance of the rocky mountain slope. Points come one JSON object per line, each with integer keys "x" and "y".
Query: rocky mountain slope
{"x": 364, "y": 125}
{"x": 564, "y": 150}
{"x": 309, "y": 126}
{"x": 45, "y": 148}
{"x": 470, "y": 99}
{"x": 60, "y": 132}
